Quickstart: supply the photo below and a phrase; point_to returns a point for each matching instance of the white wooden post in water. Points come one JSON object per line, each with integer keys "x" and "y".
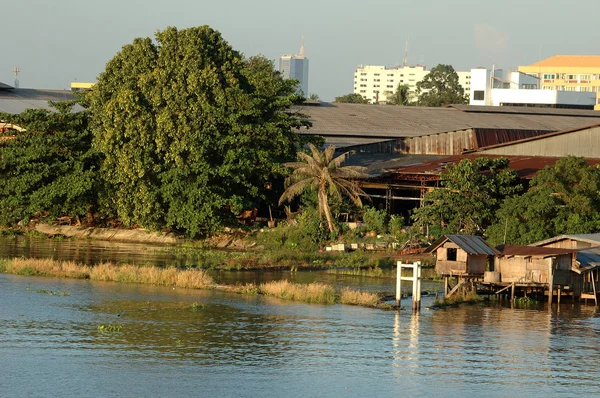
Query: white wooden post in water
{"x": 416, "y": 280}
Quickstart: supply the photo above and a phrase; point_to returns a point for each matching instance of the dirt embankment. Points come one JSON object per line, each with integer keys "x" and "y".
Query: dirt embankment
{"x": 108, "y": 234}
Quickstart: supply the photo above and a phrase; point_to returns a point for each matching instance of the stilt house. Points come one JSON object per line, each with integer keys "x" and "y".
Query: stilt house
{"x": 461, "y": 255}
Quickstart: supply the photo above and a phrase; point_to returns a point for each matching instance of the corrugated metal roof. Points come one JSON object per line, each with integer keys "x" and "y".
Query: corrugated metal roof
{"x": 525, "y": 110}
{"x": 508, "y": 250}
{"x": 490, "y": 137}
{"x": 383, "y": 121}
{"x": 588, "y": 259}
{"x": 20, "y": 99}
{"x": 589, "y": 238}
{"x": 472, "y": 244}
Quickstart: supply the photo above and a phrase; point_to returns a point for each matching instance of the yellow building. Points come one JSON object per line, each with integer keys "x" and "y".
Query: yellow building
{"x": 81, "y": 86}
{"x": 568, "y": 73}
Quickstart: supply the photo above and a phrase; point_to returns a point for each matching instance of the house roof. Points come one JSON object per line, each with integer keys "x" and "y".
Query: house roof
{"x": 18, "y": 100}
{"x": 386, "y": 121}
{"x": 579, "y": 61}
{"x": 589, "y": 238}
{"x": 474, "y": 245}
{"x": 588, "y": 260}
{"x": 534, "y": 251}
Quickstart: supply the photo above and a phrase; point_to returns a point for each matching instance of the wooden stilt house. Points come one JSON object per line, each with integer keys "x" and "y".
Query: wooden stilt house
{"x": 461, "y": 255}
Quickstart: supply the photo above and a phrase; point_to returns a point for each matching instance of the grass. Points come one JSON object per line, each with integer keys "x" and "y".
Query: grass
{"x": 310, "y": 293}
{"x": 188, "y": 278}
{"x": 355, "y": 297}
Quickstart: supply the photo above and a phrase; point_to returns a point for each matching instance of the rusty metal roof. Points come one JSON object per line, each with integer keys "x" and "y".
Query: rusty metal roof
{"x": 535, "y": 251}
{"x": 472, "y": 244}
{"x": 526, "y": 167}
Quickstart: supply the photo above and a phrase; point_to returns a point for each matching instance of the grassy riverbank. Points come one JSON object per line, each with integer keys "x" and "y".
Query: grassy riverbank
{"x": 186, "y": 278}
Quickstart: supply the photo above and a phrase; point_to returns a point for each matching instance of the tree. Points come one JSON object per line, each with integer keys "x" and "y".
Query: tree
{"x": 562, "y": 199}
{"x": 399, "y": 97}
{"x": 323, "y": 173}
{"x": 352, "y": 98}
{"x": 471, "y": 193}
{"x": 440, "y": 87}
{"x": 191, "y": 130}
{"x": 49, "y": 169}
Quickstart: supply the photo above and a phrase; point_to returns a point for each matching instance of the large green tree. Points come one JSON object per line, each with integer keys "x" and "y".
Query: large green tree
{"x": 471, "y": 193}
{"x": 49, "y": 169}
{"x": 322, "y": 171}
{"x": 352, "y": 98}
{"x": 562, "y": 199}
{"x": 440, "y": 87}
{"x": 191, "y": 130}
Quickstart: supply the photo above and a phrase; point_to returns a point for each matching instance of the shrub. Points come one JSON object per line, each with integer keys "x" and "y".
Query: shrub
{"x": 374, "y": 220}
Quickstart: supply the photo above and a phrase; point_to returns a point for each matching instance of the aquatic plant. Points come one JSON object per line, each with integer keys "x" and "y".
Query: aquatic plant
{"x": 187, "y": 278}
{"x": 53, "y": 293}
{"x": 110, "y": 328}
{"x": 525, "y": 301}
{"x": 196, "y": 306}
{"x": 356, "y": 297}
{"x": 471, "y": 297}
{"x": 311, "y": 293}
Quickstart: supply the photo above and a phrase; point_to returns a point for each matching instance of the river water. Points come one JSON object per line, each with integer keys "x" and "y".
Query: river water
{"x": 178, "y": 342}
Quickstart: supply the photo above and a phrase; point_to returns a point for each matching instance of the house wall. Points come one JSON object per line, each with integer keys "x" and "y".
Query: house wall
{"x": 568, "y": 244}
{"x": 584, "y": 143}
{"x": 521, "y": 269}
{"x": 464, "y": 264}
{"x": 477, "y": 264}
{"x": 535, "y": 269}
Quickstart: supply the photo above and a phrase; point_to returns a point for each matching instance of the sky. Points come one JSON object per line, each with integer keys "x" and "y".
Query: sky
{"x": 55, "y": 42}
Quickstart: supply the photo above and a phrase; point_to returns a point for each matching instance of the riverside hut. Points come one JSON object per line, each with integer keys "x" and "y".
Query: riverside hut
{"x": 461, "y": 255}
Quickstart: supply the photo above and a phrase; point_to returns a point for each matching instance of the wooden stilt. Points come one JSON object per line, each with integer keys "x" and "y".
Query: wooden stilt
{"x": 512, "y": 292}
{"x": 445, "y": 285}
{"x": 594, "y": 287}
{"x": 558, "y": 289}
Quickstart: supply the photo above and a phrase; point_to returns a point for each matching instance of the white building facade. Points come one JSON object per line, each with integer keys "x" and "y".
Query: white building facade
{"x": 375, "y": 83}
{"x": 295, "y": 66}
{"x": 501, "y": 88}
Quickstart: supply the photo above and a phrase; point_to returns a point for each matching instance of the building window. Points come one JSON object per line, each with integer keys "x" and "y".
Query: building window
{"x": 549, "y": 76}
{"x": 547, "y": 88}
{"x": 571, "y": 77}
{"x": 451, "y": 254}
{"x": 363, "y": 91}
{"x": 585, "y": 78}
{"x": 376, "y": 85}
{"x": 478, "y": 95}
{"x": 570, "y": 88}
{"x": 376, "y": 74}
{"x": 529, "y": 86}
{"x": 585, "y": 89}
{"x": 363, "y": 74}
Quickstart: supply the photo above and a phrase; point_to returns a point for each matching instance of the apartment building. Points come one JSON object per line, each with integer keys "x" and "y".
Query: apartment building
{"x": 375, "y": 83}
{"x": 580, "y": 73}
{"x": 295, "y": 66}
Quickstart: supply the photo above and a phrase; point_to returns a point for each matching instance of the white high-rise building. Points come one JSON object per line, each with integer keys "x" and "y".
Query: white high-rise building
{"x": 295, "y": 66}
{"x": 375, "y": 83}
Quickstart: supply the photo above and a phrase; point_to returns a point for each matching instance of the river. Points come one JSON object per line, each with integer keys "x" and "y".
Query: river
{"x": 178, "y": 342}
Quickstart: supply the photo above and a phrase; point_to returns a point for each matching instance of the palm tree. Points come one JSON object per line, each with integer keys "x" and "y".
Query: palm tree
{"x": 323, "y": 172}
{"x": 400, "y": 97}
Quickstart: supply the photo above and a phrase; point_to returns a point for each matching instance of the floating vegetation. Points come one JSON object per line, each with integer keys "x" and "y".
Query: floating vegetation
{"x": 455, "y": 300}
{"x": 196, "y": 306}
{"x": 110, "y": 328}
{"x": 52, "y": 293}
{"x": 525, "y": 301}
{"x": 310, "y": 293}
{"x": 356, "y": 297}
{"x": 185, "y": 278}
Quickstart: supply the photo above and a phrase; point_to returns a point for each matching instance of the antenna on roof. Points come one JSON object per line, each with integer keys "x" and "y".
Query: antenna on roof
{"x": 302, "y": 47}
{"x": 16, "y": 70}
{"x": 405, "y": 60}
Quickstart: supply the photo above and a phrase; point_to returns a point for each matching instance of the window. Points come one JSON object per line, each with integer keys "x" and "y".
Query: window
{"x": 549, "y": 76}
{"x": 570, "y": 77}
{"x": 363, "y": 74}
{"x": 547, "y": 88}
{"x": 363, "y": 85}
{"x": 478, "y": 95}
{"x": 585, "y": 89}
{"x": 376, "y": 74}
{"x": 451, "y": 254}
{"x": 529, "y": 86}
{"x": 390, "y": 74}
{"x": 570, "y": 88}
{"x": 585, "y": 77}
{"x": 390, "y": 86}
{"x": 363, "y": 91}
{"x": 376, "y": 85}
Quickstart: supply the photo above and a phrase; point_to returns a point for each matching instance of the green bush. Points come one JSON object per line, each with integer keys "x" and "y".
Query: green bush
{"x": 375, "y": 220}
